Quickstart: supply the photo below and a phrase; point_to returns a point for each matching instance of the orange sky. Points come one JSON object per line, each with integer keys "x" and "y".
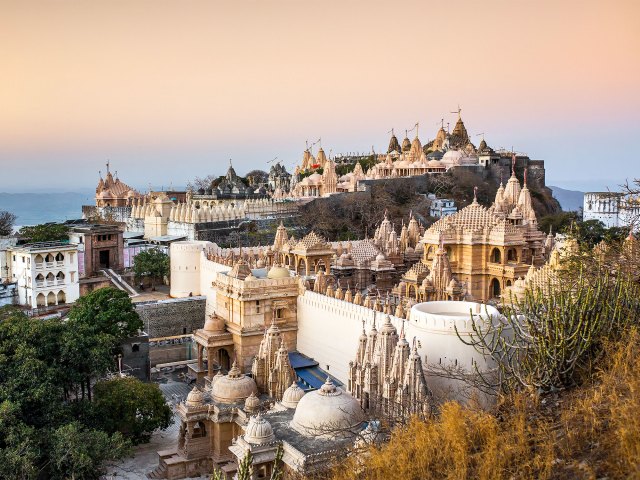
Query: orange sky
{"x": 186, "y": 85}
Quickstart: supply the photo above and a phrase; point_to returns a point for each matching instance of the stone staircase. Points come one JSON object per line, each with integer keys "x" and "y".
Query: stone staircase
{"x": 119, "y": 282}
{"x": 160, "y": 472}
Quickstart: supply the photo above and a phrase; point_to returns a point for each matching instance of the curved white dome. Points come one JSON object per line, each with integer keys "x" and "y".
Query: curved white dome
{"x": 327, "y": 412}
{"x": 234, "y": 387}
{"x": 452, "y": 157}
{"x": 292, "y": 395}
{"x": 258, "y": 431}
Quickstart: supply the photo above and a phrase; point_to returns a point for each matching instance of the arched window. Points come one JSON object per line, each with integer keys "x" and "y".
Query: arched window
{"x": 59, "y": 257}
{"x": 512, "y": 255}
{"x": 199, "y": 430}
{"x": 41, "y": 300}
{"x": 62, "y": 298}
{"x": 496, "y": 256}
{"x": 51, "y": 298}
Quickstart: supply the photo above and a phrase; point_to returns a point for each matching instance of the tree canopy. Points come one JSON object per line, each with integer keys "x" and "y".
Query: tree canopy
{"x": 131, "y": 407}
{"x": 152, "y": 264}
{"x": 7, "y": 220}
{"x": 47, "y": 232}
{"x": 51, "y": 425}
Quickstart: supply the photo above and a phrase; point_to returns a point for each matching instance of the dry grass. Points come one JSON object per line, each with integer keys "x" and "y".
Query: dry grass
{"x": 590, "y": 432}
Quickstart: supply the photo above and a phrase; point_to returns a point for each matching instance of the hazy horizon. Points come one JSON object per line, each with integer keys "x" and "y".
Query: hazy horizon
{"x": 168, "y": 92}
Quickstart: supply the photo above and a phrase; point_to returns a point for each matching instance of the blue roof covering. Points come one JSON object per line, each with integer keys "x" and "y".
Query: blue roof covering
{"x": 314, "y": 377}
{"x": 310, "y": 375}
{"x": 298, "y": 360}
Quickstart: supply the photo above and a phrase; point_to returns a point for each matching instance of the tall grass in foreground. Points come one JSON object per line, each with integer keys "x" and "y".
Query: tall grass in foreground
{"x": 592, "y": 431}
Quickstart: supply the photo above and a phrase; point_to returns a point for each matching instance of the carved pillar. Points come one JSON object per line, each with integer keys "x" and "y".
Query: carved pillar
{"x": 200, "y": 348}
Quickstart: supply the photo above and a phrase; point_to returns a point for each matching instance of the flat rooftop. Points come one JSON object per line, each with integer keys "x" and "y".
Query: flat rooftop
{"x": 45, "y": 245}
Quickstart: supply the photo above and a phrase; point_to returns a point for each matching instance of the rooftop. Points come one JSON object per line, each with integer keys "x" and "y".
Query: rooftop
{"x": 46, "y": 246}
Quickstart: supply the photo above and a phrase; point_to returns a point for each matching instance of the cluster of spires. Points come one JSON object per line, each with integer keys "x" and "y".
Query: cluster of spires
{"x": 271, "y": 368}
{"x": 387, "y": 375}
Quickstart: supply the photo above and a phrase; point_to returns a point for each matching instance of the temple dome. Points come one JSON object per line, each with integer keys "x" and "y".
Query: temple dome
{"x": 258, "y": 431}
{"x": 292, "y": 395}
{"x": 278, "y": 272}
{"x": 326, "y": 412}
{"x": 252, "y": 403}
{"x": 234, "y": 387}
{"x": 452, "y": 157}
{"x": 195, "y": 398}
{"x": 214, "y": 323}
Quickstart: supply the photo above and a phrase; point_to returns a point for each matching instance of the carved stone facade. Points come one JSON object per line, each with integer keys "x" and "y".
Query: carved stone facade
{"x": 387, "y": 375}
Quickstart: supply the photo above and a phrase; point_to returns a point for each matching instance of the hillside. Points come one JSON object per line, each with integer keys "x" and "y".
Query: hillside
{"x": 570, "y": 200}
{"x": 350, "y": 216}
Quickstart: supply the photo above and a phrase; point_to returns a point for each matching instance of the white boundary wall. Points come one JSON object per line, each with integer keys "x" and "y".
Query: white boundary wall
{"x": 328, "y": 331}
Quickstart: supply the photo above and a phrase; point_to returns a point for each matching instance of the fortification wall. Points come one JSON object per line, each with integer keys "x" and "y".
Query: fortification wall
{"x": 178, "y": 316}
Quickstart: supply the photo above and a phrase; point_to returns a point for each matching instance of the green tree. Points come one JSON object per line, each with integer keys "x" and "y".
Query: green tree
{"x": 7, "y": 220}
{"x": 131, "y": 407}
{"x": 152, "y": 263}
{"x": 558, "y": 222}
{"x": 19, "y": 449}
{"x": 97, "y": 323}
{"x": 49, "y": 427}
{"x": 47, "y": 232}
{"x": 107, "y": 310}
{"x": 79, "y": 453}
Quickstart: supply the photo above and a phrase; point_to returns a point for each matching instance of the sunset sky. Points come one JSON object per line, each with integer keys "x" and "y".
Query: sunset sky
{"x": 170, "y": 90}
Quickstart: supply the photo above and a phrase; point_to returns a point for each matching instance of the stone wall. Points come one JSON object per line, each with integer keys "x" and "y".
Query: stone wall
{"x": 179, "y": 316}
{"x": 135, "y": 357}
{"x": 172, "y": 350}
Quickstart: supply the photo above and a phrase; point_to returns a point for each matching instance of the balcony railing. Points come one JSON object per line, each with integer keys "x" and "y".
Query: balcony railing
{"x": 50, "y": 283}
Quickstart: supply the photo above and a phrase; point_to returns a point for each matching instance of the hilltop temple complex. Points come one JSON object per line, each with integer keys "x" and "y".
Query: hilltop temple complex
{"x": 316, "y": 176}
{"x": 305, "y": 342}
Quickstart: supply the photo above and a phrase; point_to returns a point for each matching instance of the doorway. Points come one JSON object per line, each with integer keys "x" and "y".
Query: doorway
{"x": 104, "y": 258}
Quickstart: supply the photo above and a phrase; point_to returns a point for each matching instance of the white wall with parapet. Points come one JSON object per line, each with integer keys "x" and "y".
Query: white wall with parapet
{"x": 185, "y": 258}
{"x": 208, "y": 274}
{"x": 328, "y": 331}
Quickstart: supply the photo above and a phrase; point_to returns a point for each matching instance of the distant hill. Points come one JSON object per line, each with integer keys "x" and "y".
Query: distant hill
{"x": 36, "y": 208}
{"x": 570, "y": 200}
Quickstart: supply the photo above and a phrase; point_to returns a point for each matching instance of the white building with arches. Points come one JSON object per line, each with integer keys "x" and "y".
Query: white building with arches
{"x": 46, "y": 273}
